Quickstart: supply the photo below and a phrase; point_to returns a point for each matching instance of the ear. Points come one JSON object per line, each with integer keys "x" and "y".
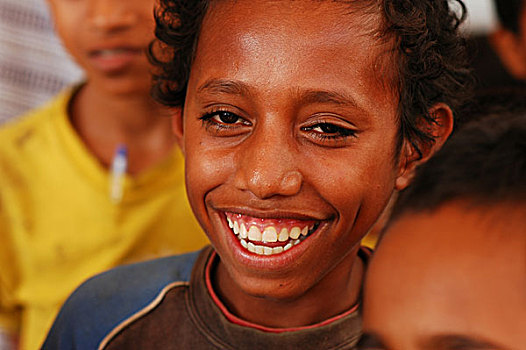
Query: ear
{"x": 511, "y": 51}
{"x": 178, "y": 126}
{"x": 409, "y": 157}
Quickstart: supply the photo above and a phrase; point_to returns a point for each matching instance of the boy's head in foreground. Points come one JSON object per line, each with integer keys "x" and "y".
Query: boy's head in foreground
{"x": 300, "y": 119}
{"x": 450, "y": 271}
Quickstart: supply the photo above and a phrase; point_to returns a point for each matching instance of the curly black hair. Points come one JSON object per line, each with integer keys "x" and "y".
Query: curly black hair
{"x": 482, "y": 164}
{"x": 430, "y": 60}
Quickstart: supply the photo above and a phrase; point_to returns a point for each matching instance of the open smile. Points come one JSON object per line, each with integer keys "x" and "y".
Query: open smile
{"x": 269, "y": 236}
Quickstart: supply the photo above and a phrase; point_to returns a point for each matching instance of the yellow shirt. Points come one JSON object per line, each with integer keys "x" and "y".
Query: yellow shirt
{"x": 58, "y": 225}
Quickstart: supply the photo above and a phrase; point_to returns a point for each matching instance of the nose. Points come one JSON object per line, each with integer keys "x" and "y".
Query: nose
{"x": 267, "y": 166}
{"x": 111, "y": 15}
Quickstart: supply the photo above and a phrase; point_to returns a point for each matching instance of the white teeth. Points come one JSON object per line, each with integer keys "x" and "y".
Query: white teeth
{"x": 254, "y": 234}
{"x": 264, "y": 250}
{"x": 247, "y": 238}
{"x": 270, "y": 235}
{"x": 283, "y": 235}
{"x": 243, "y": 231}
{"x": 295, "y": 233}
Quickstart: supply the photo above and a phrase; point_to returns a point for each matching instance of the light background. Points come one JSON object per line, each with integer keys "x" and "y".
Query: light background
{"x": 481, "y": 16}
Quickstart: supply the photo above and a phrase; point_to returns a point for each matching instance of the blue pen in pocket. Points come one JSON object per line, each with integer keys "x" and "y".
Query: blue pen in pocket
{"x": 118, "y": 171}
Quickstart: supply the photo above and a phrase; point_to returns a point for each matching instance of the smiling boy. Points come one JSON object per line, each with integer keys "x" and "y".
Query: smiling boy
{"x": 299, "y": 120}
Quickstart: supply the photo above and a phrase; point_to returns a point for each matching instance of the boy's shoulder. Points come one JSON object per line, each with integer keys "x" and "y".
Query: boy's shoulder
{"x": 31, "y": 125}
{"x": 106, "y": 300}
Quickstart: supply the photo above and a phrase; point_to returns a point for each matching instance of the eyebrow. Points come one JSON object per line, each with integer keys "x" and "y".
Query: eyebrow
{"x": 323, "y": 96}
{"x": 305, "y": 96}
{"x": 224, "y": 86}
{"x": 458, "y": 342}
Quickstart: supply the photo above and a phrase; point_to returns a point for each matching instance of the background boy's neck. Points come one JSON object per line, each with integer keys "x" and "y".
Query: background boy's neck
{"x": 104, "y": 120}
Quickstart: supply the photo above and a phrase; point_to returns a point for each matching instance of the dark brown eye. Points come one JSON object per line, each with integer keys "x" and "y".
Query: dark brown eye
{"x": 227, "y": 117}
{"x": 329, "y": 128}
{"x": 224, "y": 123}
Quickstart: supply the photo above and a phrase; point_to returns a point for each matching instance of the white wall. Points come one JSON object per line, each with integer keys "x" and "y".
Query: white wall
{"x": 481, "y": 16}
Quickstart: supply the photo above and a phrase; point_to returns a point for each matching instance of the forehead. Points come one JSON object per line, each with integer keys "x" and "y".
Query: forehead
{"x": 458, "y": 242}
{"x": 457, "y": 269}
{"x": 294, "y": 13}
{"x": 296, "y": 44}
{"x": 320, "y": 25}
{"x": 135, "y": 4}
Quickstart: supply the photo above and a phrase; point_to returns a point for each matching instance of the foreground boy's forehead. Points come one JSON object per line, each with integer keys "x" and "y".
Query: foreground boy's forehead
{"x": 345, "y": 18}
{"x": 454, "y": 273}
{"x": 280, "y": 40}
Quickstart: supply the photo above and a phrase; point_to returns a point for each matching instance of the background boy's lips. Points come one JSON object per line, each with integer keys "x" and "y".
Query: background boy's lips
{"x": 114, "y": 59}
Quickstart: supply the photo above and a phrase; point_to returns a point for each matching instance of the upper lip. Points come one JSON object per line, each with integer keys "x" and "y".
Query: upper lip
{"x": 117, "y": 46}
{"x": 274, "y": 213}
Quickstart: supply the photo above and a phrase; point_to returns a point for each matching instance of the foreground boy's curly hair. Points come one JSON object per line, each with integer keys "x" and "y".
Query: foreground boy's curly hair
{"x": 428, "y": 60}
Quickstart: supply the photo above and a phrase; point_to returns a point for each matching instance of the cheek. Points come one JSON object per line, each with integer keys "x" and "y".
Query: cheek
{"x": 360, "y": 189}
{"x": 205, "y": 170}
{"x": 72, "y": 33}
{"x": 365, "y": 178}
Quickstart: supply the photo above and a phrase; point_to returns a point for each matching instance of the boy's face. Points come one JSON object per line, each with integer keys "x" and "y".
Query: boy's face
{"x": 287, "y": 128}
{"x": 108, "y": 38}
{"x": 454, "y": 278}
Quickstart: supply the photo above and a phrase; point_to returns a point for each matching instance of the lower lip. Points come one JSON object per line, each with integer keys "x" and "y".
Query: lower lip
{"x": 115, "y": 62}
{"x": 274, "y": 262}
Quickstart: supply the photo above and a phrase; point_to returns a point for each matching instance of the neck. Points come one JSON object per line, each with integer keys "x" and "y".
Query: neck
{"x": 336, "y": 293}
{"x": 104, "y": 121}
